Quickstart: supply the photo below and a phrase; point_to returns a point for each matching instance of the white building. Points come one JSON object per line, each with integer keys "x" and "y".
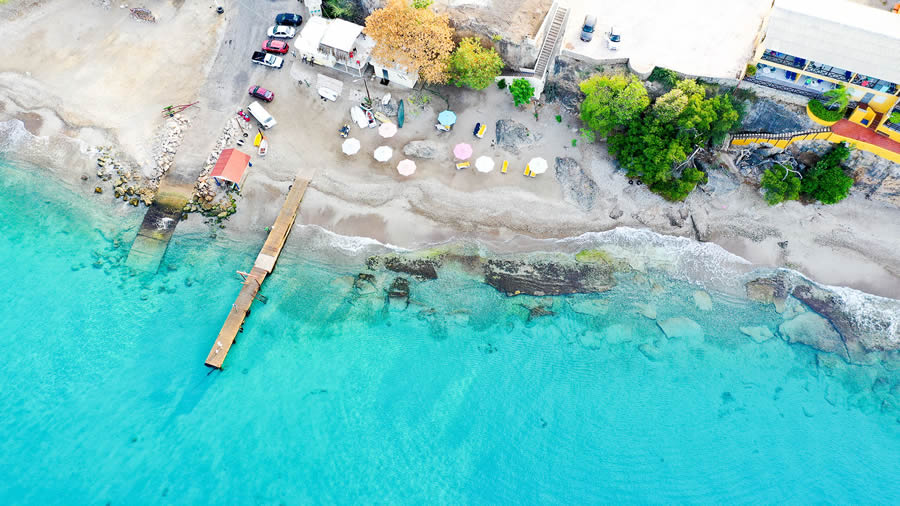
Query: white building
{"x": 335, "y": 43}
{"x": 395, "y": 74}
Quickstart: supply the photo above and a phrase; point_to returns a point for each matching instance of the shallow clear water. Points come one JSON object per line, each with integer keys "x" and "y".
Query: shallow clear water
{"x": 331, "y": 397}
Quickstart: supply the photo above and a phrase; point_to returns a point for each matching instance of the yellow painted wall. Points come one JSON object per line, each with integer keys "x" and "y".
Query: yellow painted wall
{"x": 828, "y": 136}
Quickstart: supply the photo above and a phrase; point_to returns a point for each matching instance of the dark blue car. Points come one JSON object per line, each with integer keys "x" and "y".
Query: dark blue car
{"x": 288, "y": 19}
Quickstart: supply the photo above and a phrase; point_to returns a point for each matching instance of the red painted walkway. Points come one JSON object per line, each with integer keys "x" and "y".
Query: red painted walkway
{"x": 852, "y": 130}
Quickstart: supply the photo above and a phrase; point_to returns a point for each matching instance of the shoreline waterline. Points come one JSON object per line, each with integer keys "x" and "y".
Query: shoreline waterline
{"x": 334, "y": 391}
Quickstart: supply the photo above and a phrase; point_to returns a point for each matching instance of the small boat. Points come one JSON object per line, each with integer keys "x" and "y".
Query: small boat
{"x": 263, "y": 147}
{"x": 400, "y": 115}
{"x": 371, "y": 118}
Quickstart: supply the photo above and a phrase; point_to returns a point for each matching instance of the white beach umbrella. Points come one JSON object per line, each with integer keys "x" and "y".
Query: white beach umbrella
{"x": 484, "y": 164}
{"x": 387, "y": 129}
{"x": 350, "y": 146}
{"x": 406, "y": 167}
{"x": 383, "y": 153}
{"x": 537, "y": 165}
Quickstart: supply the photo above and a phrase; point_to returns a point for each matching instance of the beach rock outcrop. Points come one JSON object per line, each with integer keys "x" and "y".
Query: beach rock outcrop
{"x": 577, "y": 185}
{"x": 543, "y": 277}
{"x": 513, "y": 136}
{"x": 758, "y": 334}
{"x": 861, "y": 325}
{"x": 427, "y": 150}
{"x": 421, "y": 268}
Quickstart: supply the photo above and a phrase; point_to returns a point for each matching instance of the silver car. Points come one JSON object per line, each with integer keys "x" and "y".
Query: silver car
{"x": 282, "y": 32}
{"x": 587, "y": 30}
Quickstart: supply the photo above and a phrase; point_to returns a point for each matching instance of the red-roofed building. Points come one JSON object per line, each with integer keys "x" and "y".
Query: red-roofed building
{"x": 231, "y": 168}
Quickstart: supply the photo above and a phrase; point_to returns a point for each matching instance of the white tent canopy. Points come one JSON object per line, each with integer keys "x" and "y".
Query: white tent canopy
{"x": 484, "y": 164}
{"x": 384, "y": 153}
{"x": 341, "y": 35}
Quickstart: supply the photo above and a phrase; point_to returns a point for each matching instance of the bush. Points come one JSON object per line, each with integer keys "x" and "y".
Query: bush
{"x": 826, "y": 181}
{"x": 780, "y": 185}
{"x": 895, "y": 117}
{"x": 819, "y": 110}
{"x": 522, "y": 91}
{"x": 751, "y": 70}
{"x": 610, "y": 102}
{"x": 664, "y": 76}
{"x": 558, "y": 118}
{"x": 344, "y": 9}
{"x": 501, "y": 84}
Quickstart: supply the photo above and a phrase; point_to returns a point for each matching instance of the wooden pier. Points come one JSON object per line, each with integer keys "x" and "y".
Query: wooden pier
{"x": 263, "y": 266}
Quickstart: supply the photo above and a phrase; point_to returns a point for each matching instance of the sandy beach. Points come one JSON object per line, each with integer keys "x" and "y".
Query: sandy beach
{"x": 103, "y": 79}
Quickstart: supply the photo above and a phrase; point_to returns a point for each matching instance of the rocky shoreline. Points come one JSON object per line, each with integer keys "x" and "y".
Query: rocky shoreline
{"x": 812, "y": 314}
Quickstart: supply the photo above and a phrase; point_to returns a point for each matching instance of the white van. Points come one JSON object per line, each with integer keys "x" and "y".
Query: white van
{"x": 265, "y": 119}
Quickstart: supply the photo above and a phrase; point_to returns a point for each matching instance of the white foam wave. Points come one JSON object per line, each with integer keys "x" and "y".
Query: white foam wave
{"x": 13, "y": 135}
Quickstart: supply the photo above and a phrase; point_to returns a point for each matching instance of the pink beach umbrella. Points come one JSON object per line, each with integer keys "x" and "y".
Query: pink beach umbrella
{"x": 387, "y": 129}
{"x": 406, "y": 167}
{"x": 462, "y": 151}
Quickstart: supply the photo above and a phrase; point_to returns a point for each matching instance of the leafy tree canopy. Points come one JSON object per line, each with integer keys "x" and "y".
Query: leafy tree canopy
{"x": 473, "y": 65}
{"x": 655, "y": 145}
{"x": 611, "y": 102}
{"x": 418, "y": 39}
{"x": 826, "y": 181}
{"x": 522, "y": 91}
{"x": 780, "y": 185}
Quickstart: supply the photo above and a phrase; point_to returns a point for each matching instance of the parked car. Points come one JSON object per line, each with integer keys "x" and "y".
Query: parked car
{"x": 261, "y": 93}
{"x": 275, "y": 46}
{"x": 587, "y": 30}
{"x": 269, "y": 60}
{"x": 282, "y": 32}
{"x": 288, "y": 19}
{"x": 615, "y": 37}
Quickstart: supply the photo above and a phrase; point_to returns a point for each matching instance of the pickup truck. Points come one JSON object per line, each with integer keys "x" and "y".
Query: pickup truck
{"x": 269, "y": 60}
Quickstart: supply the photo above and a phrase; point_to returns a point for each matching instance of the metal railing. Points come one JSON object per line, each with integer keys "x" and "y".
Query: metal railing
{"x": 786, "y": 60}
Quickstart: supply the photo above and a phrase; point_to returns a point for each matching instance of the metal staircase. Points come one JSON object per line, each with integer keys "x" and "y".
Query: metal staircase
{"x": 554, "y": 33}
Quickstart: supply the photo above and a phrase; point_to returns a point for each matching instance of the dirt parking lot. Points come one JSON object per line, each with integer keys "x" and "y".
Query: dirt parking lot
{"x": 696, "y": 37}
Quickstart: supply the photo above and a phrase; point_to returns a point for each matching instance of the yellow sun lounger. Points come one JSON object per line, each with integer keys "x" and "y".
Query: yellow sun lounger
{"x": 505, "y": 165}
{"x": 527, "y": 171}
{"x": 462, "y": 165}
{"x": 481, "y": 131}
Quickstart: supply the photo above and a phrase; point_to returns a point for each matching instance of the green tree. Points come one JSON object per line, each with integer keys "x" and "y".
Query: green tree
{"x": 422, "y": 4}
{"x": 838, "y": 96}
{"x": 826, "y": 181}
{"x": 656, "y": 144}
{"x": 611, "y": 102}
{"x": 522, "y": 91}
{"x": 344, "y": 9}
{"x": 780, "y": 185}
{"x": 473, "y": 65}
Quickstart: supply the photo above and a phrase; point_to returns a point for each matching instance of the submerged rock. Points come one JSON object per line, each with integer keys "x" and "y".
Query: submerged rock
{"x": 399, "y": 289}
{"x": 813, "y": 330}
{"x": 647, "y": 310}
{"x": 598, "y": 307}
{"x": 516, "y": 277}
{"x": 422, "y": 269}
{"x": 681, "y": 326}
{"x": 702, "y": 300}
{"x": 758, "y": 334}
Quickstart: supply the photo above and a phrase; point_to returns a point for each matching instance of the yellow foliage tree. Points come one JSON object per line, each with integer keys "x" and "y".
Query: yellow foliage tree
{"x": 418, "y": 39}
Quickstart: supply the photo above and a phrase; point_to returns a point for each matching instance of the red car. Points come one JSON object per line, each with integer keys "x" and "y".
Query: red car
{"x": 275, "y": 46}
{"x": 260, "y": 92}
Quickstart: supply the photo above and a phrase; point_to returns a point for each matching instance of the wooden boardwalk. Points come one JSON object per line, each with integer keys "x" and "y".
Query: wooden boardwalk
{"x": 263, "y": 266}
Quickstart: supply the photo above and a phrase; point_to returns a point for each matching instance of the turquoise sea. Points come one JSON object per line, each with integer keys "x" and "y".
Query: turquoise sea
{"x": 329, "y": 397}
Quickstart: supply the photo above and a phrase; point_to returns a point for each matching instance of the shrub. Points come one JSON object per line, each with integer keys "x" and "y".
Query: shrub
{"x": 826, "y": 181}
{"x": 819, "y": 110}
{"x": 344, "y": 9}
{"x": 895, "y": 117}
{"x": 780, "y": 185}
{"x": 751, "y": 70}
{"x": 558, "y": 118}
{"x": 501, "y": 84}
{"x": 522, "y": 91}
{"x": 574, "y": 142}
{"x": 664, "y": 76}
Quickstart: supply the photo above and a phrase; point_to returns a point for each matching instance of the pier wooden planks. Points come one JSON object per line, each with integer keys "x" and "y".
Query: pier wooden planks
{"x": 263, "y": 266}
